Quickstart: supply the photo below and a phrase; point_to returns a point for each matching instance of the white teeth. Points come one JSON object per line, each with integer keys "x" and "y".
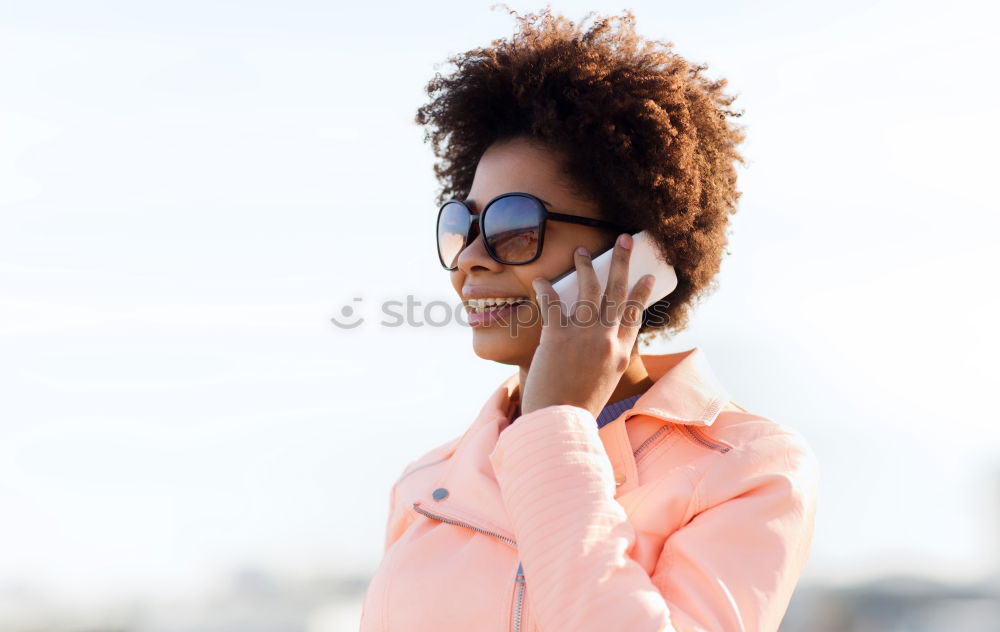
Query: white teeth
{"x": 489, "y": 304}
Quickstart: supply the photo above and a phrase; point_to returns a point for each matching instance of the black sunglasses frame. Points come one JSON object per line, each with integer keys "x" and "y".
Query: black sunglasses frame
{"x": 477, "y": 219}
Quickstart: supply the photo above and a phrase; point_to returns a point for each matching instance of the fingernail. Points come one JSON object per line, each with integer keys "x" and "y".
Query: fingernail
{"x": 625, "y": 241}
{"x": 649, "y": 280}
{"x": 582, "y": 251}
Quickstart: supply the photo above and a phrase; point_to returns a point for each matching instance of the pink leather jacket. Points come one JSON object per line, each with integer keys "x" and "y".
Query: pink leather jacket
{"x": 685, "y": 513}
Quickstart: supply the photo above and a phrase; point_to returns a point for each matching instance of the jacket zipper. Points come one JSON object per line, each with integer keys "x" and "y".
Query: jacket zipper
{"x": 518, "y": 579}
{"x": 657, "y": 436}
{"x": 519, "y": 606}
{"x": 706, "y": 442}
{"x": 650, "y": 441}
{"x": 499, "y": 536}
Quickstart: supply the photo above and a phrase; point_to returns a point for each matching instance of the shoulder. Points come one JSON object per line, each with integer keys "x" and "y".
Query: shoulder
{"x": 417, "y": 474}
{"x": 745, "y": 431}
{"x": 761, "y": 449}
{"x": 436, "y": 455}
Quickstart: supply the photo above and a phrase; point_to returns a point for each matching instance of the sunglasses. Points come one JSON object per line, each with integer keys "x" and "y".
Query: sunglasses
{"x": 512, "y": 225}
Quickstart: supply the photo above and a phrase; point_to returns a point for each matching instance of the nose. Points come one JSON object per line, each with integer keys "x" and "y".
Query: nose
{"x": 474, "y": 257}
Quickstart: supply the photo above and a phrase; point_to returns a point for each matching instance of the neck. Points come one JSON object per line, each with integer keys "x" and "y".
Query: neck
{"x": 635, "y": 380}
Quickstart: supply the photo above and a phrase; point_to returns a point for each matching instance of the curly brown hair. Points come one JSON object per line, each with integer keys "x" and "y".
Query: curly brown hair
{"x": 642, "y": 132}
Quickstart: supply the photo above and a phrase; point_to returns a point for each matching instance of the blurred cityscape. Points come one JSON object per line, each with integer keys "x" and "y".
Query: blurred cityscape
{"x": 257, "y": 602}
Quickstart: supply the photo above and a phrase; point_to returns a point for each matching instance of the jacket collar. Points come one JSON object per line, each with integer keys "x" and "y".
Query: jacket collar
{"x": 685, "y": 391}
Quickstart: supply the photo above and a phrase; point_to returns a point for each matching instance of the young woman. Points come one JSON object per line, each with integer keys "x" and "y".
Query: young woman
{"x": 598, "y": 489}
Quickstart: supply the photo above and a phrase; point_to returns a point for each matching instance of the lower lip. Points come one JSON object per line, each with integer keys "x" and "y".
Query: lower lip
{"x": 483, "y": 319}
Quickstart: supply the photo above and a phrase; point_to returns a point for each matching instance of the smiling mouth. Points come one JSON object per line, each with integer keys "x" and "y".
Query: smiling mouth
{"x": 482, "y": 306}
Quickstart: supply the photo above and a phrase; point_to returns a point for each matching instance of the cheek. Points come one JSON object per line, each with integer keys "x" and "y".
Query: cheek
{"x": 552, "y": 263}
{"x": 557, "y": 256}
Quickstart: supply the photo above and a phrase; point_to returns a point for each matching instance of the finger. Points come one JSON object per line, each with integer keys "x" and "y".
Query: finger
{"x": 617, "y": 288}
{"x": 631, "y": 322}
{"x": 549, "y": 303}
{"x": 588, "y": 283}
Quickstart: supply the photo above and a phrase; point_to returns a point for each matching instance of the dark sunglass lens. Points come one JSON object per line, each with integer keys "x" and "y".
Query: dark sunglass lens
{"x": 452, "y": 231}
{"x": 511, "y": 227}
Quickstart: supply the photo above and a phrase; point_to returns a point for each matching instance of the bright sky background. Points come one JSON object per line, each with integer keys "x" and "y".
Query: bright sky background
{"x": 189, "y": 191}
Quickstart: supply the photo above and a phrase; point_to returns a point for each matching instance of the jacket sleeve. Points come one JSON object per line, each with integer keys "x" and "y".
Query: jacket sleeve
{"x": 732, "y": 567}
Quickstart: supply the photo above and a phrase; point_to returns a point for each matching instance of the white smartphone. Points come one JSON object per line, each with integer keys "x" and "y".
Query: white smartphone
{"x": 645, "y": 259}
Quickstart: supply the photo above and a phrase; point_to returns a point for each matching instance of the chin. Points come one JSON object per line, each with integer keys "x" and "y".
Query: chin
{"x": 497, "y": 344}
